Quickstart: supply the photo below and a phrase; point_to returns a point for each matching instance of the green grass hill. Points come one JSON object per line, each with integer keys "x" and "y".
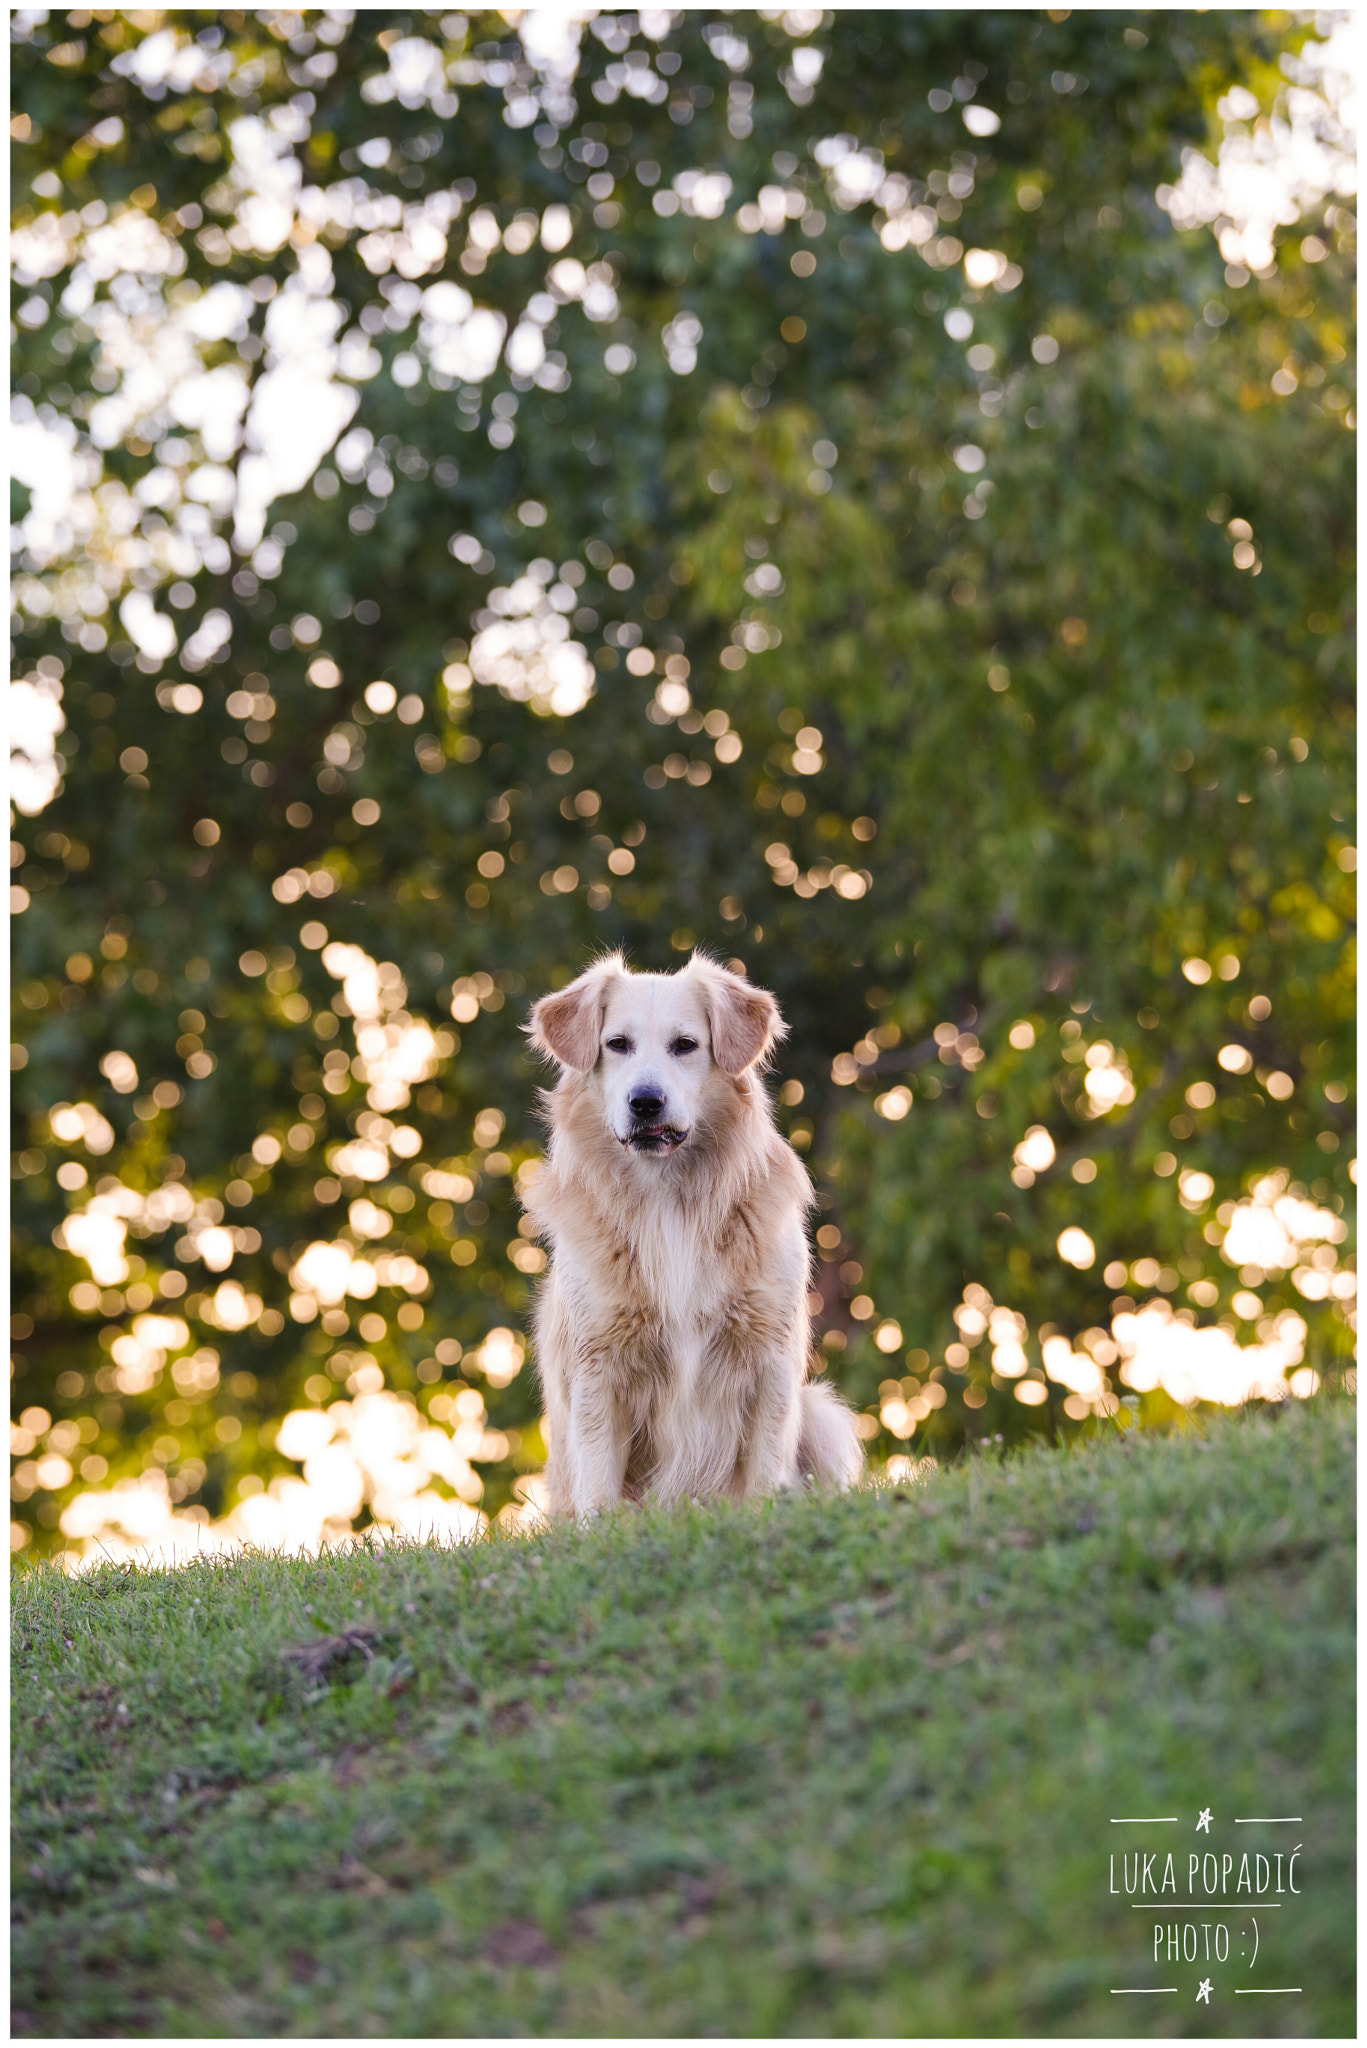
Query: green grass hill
{"x": 833, "y": 1766}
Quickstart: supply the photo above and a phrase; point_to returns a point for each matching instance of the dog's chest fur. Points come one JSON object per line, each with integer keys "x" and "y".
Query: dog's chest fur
{"x": 671, "y": 1270}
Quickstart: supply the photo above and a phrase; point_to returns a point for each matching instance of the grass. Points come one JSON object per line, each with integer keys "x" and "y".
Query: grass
{"x": 839, "y": 1766}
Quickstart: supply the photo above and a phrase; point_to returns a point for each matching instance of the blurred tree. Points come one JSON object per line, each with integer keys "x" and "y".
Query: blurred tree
{"x": 780, "y": 483}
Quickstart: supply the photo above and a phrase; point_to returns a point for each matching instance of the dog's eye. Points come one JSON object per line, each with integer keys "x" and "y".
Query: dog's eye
{"x": 619, "y": 1044}
{"x": 682, "y": 1046}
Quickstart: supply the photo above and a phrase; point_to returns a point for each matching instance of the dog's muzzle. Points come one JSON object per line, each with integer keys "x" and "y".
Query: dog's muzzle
{"x": 648, "y": 1137}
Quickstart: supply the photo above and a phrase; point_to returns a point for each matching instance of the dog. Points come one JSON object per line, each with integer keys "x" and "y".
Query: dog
{"x": 672, "y": 1332}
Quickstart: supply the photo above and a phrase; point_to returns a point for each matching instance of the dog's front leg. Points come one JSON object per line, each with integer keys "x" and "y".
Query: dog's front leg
{"x": 596, "y": 1446}
{"x": 735, "y": 1429}
{"x": 769, "y": 1459}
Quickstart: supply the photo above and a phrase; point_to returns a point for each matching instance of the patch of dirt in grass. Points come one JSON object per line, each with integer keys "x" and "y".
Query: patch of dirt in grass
{"x": 514, "y": 1942}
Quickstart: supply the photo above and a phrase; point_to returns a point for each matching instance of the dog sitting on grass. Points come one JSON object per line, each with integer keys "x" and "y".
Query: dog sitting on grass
{"x": 672, "y": 1330}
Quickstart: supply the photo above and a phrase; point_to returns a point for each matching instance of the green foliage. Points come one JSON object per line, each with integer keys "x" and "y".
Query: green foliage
{"x": 578, "y": 1786}
{"x": 1064, "y": 745}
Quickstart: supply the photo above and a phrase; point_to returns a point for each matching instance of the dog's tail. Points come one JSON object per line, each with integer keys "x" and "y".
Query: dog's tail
{"x": 829, "y": 1450}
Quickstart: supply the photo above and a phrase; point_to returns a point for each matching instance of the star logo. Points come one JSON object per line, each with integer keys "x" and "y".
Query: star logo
{"x": 1204, "y": 1822}
{"x": 1203, "y": 1995}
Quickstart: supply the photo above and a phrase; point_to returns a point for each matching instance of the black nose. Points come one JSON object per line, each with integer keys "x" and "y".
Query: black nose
{"x": 645, "y": 1104}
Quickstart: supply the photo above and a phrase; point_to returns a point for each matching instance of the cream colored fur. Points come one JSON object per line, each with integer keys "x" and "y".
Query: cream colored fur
{"x": 672, "y": 1330}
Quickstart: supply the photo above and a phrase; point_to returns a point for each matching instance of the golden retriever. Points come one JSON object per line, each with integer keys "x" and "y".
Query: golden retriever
{"x": 672, "y": 1329}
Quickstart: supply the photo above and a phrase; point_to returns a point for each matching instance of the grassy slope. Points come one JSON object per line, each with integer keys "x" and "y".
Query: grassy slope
{"x": 834, "y": 1766}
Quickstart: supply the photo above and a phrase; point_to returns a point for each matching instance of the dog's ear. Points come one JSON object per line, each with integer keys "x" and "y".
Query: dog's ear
{"x": 746, "y": 1021}
{"x": 566, "y": 1025}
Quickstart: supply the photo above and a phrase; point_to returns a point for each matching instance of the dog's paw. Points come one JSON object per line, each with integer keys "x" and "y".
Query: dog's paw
{"x": 586, "y": 1516}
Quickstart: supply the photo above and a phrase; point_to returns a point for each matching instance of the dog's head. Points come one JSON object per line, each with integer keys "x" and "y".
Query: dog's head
{"x": 657, "y": 1048}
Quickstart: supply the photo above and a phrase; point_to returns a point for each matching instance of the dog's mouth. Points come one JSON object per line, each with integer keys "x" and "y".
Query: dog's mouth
{"x": 654, "y": 1138}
